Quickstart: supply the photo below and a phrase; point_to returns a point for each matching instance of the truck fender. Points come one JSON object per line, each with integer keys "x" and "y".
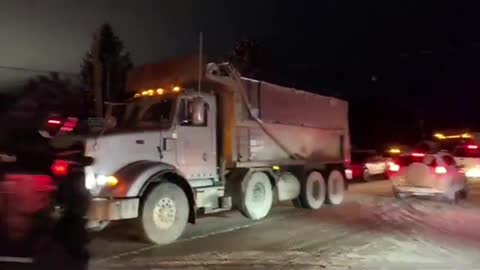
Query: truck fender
{"x": 135, "y": 180}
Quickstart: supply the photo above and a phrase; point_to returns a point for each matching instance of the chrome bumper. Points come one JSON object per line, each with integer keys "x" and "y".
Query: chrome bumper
{"x": 102, "y": 209}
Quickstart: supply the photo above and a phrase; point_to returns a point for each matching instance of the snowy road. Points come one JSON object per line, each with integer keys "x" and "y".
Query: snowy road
{"x": 370, "y": 230}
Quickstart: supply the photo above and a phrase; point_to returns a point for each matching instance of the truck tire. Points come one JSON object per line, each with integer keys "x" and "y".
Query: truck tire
{"x": 165, "y": 214}
{"x": 257, "y": 196}
{"x": 335, "y": 187}
{"x": 313, "y": 192}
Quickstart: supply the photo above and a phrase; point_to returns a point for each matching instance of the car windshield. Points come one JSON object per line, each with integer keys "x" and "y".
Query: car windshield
{"x": 405, "y": 160}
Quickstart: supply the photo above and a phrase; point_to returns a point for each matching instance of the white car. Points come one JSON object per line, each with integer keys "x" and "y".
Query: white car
{"x": 467, "y": 156}
{"x": 433, "y": 175}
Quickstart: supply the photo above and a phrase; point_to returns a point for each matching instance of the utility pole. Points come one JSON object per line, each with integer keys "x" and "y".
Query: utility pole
{"x": 97, "y": 76}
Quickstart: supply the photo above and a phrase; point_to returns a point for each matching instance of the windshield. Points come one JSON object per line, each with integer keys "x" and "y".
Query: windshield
{"x": 150, "y": 114}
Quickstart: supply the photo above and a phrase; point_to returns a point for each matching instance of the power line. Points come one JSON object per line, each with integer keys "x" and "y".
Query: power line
{"x": 38, "y": 70}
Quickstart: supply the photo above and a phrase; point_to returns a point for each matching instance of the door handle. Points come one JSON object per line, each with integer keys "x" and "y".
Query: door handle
{"x": 205, "y": 156}
{"x": 164, "y": 144}
{"x": 139, "y": 141}
{"x": 160, "y": 152}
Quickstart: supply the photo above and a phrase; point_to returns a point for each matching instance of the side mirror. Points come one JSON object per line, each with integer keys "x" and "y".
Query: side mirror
{"x": 198, "y": 112}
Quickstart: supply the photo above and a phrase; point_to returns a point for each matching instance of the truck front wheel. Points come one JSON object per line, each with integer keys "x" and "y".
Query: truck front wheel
{"x": 164, "y": 214}
{"x": 336, "y": 188}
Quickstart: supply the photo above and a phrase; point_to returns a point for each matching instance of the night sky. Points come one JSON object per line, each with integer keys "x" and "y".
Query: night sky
{"x": 403, "y": 65}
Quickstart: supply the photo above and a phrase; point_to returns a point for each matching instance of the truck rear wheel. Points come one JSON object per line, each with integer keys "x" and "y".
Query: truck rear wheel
{"x": 164, "y": 214}
{"x": 313, "y": 192}
{"x": 336, "y": 188}
{"x": 257, "y": 196}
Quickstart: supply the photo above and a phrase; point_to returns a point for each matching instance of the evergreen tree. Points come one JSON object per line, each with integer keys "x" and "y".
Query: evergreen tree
{"x": 116, "y": 63}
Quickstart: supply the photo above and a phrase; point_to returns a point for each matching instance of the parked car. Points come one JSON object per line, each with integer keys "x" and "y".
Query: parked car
{"x": 433, "y": 175}
{"x": 366, "y": 165}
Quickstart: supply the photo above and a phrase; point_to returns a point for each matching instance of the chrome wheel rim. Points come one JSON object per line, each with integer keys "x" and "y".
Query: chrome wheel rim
{"x": 164, "y": 213}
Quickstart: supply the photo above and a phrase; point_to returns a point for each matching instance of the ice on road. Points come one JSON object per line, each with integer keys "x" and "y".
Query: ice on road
{"x": 371, "y": 230}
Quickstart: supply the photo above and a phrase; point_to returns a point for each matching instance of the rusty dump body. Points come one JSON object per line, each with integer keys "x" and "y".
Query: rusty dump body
{"x": 282, "y": 126}
{"x": 296, "y": 125}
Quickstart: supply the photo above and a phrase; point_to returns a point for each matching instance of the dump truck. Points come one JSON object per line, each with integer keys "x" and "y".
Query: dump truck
{"x": 191, "y": 143}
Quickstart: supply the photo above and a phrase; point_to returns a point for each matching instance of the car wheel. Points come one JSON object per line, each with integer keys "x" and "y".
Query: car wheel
{"x": 399, "y": 195}
{"x": 456, "y": 198}
{"x": 257, "y": 196}
{"x": 165, "y": 214}
{"x": 366, "y": 175}
{"x": 335, "y": 188}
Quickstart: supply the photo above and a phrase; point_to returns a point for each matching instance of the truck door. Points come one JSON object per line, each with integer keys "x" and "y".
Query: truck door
{"x": 196, "y": 152}
{"x": 152, "y": 120}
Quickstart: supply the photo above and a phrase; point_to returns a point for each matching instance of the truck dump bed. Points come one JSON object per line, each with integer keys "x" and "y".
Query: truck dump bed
{"x": 310, "y": 126}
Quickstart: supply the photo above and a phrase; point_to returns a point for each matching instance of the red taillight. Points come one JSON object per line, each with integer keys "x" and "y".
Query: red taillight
{"x": 472, "y": 146}
{"x": 393, "y": 167}
{"x": 60, "y": 168}
{"x": 70, "y": 124}
{"x": 440, "y": 170}
{"x": 418, "y": 154}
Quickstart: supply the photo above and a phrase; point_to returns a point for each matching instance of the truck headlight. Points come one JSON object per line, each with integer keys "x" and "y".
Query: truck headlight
{"x": 93, "y": 180}
{"x": 90, "y": 181}
{"x": 103, "y": 180}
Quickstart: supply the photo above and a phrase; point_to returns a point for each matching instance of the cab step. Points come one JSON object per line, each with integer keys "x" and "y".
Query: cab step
{"x": 225, "y": 205}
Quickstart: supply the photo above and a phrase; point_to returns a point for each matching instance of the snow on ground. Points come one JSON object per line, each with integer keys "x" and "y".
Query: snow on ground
{"x": 414, "y": 234}
{"x": 371, "y": 230}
